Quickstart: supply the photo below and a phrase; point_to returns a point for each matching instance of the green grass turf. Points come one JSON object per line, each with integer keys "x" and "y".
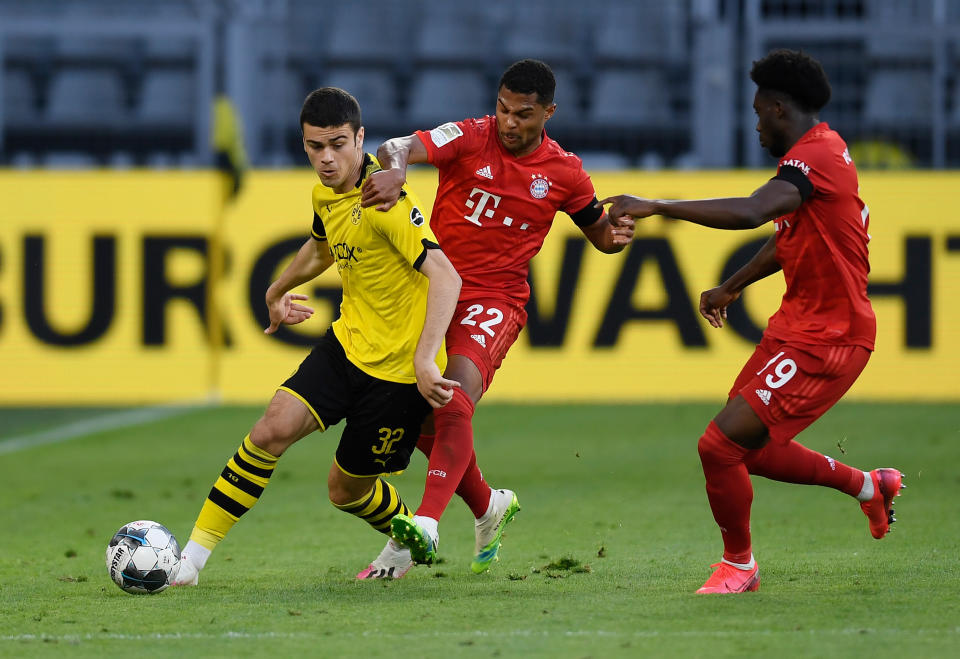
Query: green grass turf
{"x": 616, "y": 488}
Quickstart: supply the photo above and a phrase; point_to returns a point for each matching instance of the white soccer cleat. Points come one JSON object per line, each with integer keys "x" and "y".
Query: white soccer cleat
{"x": 188, "y": 575}
{"x": 489, "y": 533}
{"x": 392, "y": 563}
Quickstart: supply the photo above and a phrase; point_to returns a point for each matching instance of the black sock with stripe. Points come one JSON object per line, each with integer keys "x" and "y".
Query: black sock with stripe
{"x": 378, "y": 506}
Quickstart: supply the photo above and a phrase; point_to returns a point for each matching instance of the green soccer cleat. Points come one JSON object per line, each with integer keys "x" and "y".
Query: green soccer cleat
{"x": 406, "y": 531}
{"x": 490, "y": 533}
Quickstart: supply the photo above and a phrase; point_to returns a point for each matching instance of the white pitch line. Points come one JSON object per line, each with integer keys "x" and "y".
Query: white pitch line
{"x": 516, "y": 633}
{"x": 113, "y": 421}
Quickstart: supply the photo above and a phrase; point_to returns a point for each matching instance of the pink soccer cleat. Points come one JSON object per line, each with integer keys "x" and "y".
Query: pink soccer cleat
{"x": 729, "y": 579}
{"x": 887, "y": 484}
{"x": 392, "y": 563}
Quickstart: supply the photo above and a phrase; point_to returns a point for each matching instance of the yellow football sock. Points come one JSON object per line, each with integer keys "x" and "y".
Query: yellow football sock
{"x": 235, "y": 492}
{"x": 378, "y": 506}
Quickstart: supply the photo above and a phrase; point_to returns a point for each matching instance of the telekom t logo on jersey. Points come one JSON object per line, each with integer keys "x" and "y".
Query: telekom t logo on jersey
{"x": 479, "y": 207}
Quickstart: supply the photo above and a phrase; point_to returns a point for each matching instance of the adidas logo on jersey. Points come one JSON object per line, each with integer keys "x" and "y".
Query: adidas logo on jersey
{"x": 485, "y": 172}
{"x": 764, "y": 395}
{"x": 479, "y": 338}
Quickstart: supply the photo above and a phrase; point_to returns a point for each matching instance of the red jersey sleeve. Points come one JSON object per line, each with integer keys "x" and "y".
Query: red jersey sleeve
{"x": 448, "y": 141}
{"x": 581, "y": 190}
{"x": 808, "y": 166}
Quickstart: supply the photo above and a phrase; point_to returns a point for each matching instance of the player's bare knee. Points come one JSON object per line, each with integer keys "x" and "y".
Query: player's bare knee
{"x": 273, "y": 435}
{"x": 343, "y": 489}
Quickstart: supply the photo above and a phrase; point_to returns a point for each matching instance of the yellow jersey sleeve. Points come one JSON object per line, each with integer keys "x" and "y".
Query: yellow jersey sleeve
{"x": 406, "y": 228}
{"x": 318, "y": 231}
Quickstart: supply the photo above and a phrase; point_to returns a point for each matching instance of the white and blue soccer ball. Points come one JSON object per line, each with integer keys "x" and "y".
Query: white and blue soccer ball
{"x": 143, "y": 557}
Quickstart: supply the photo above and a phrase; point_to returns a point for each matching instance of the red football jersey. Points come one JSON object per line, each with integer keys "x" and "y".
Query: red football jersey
{"x": 822, "y": 247}
{"x": 493, "y": 210}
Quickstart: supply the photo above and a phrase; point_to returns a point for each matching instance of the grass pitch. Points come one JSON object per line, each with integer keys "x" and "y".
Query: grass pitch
{"x": 613, "y": 538}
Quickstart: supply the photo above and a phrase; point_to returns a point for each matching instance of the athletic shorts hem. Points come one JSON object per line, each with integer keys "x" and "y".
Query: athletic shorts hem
{"x": 381, "y": 474}
{"x": 323, "y": 426}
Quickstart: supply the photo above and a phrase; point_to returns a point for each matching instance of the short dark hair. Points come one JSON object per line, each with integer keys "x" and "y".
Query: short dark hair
{"x": 328, "y": 107}
{"x": 530, "y": 76}
{"x": 796, "y": 74}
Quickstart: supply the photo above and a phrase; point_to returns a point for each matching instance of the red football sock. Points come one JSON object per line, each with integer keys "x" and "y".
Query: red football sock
{"x": 728, "y": 490}
{"x": 450, "y": 454}
{"x": 473, "y": 489}
{"x": 425, "y": 444}
{"x": 795, "y": 463}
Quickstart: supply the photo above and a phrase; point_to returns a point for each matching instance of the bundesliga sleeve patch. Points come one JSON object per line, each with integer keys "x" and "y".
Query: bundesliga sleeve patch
{"x": 445, "y": 133}
{"x": 416, "y": 217}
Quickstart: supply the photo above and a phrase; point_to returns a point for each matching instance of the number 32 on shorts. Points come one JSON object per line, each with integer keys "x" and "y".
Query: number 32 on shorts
{"x": 495, "y": 317}
{"x": 782, "y": 372}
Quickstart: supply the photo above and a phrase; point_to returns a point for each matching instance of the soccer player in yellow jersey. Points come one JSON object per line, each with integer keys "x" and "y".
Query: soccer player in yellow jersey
{"x": 380, "y": 364}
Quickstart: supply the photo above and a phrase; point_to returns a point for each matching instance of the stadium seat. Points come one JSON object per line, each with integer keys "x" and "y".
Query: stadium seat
{"x": 85, "y": 97}
{"x": 558, "y": 35}
{"x": 639, "y": 31}
{"x": 170, "y": 49}
{"x": 372, "y": 31}
{"x": 168, "y": 97}
{"x": 100, "y": 48}
{"x": 440, "y": 96}
{"x": 633, "y": 99}
{"x": 890, "y": 46}
{"x": 900, "y": 12}
{"x": 453, "y": 33}
{"x": 374, "y": 89}
{"x": 18, "y": 97}
{"x": 898, "y": 98}
{"x": 69, "y": 160}
{"x": 954, "y": 115}
{"x": 594, "y": 161}
{"x": 568, "y": 98}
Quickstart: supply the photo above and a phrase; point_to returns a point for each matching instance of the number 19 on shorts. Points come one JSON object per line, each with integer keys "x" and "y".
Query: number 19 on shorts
{"x": 781, "y": 372}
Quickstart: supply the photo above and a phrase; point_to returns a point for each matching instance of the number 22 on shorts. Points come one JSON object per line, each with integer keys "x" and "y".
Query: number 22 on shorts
{"x": 784, "y": 370}
{"x": 495, "y": 317}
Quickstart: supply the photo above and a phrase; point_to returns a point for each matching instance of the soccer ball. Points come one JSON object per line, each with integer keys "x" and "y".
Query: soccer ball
{"x": 143, "y": 557}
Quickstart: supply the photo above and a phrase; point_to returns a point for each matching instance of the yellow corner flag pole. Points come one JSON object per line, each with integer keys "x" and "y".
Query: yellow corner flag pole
{"x": 231, "y": 161}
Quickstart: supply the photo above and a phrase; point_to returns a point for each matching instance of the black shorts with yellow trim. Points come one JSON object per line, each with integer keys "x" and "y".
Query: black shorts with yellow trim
{"x": 383, "y": 418}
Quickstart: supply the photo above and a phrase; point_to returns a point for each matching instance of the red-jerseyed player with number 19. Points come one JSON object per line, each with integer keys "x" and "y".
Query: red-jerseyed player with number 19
{"x": 502, "y": 181}
{"x": 817, "y": 343}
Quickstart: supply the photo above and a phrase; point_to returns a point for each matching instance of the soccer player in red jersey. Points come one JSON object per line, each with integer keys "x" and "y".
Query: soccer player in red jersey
{"x": 819, "y": 340}
{"x": 502, "y": 181}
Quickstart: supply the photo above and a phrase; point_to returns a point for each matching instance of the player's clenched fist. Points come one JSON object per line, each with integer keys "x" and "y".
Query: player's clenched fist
{"x": 436, "y": 389}
{"x": 625, "y": 205}
{"x": 382, "y": 189}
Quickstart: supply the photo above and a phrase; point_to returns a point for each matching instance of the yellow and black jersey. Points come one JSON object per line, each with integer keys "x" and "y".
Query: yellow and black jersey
{"x": 378, "y": 255}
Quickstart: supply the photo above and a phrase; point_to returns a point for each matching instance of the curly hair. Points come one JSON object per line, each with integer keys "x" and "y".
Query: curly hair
{"x": 530, "y": 76}
{"x": 796, "y": 74}
{"x": 329, "y": 107}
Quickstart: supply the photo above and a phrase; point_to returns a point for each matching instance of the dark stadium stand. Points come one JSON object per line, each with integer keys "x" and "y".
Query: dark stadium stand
{"x": 93, "y": 79}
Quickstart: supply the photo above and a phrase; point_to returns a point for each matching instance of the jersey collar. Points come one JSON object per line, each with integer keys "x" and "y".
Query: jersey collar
{"x": 815, "y": 131}
{"x": 369, "y": 166}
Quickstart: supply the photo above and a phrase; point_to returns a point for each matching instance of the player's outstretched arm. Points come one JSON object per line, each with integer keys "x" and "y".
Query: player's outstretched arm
{"x": 775, "y": 198}
{"x": 382, "y": 189}
{"x": 441, "y": 301}
{"x": 312, "y": 259}
{"x": 714, "y": 302}
{"x": 608, "y": 235}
